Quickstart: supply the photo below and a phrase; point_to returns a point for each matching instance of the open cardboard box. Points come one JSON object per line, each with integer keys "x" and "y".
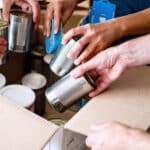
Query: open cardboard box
{"x": 127, "y": 101}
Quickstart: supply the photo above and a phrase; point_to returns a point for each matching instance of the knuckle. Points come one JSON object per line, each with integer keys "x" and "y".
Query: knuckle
{"x": 73, "y": 31}
{"x": 89, "y": 26}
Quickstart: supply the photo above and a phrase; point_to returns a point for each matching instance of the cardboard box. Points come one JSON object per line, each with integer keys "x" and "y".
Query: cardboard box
{"x": 127, "y": 101}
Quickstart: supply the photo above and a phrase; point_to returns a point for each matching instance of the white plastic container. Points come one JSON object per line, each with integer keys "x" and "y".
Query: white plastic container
{"x": 20, "y": 94}
{"x": 37, "y": 82}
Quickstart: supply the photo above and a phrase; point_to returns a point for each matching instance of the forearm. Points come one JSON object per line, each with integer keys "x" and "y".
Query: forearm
{"x": 137, "y": 23}
{"x": 135, "y": 52}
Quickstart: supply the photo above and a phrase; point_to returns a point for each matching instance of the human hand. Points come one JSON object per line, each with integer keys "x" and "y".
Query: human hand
{"x": 60, "y": 10}
{"x": 3, "y": 46}
{"x": 108, "y": 65}
{"x": 116, "y": 136}
{"x": 26, "y": 5}
{"x": 96, "y": 37}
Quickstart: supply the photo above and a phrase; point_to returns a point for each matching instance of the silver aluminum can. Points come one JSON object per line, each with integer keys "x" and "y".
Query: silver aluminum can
{"x": 68, "y": 90}
{"x": 4, "y": 34}
{"x": 60, "y": 63}
{"x": 20, "y": 30}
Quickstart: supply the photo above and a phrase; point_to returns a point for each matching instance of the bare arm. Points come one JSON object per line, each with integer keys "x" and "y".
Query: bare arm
{"x": 137, "y": 23}
{"x": 97, "y": 37}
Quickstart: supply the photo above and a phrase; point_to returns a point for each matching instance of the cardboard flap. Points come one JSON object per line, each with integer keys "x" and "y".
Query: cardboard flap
{"x": 20, "y": 129}
{"x": 127, "y": 101}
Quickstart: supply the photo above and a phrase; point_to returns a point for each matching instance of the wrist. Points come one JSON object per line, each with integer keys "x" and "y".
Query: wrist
{"x": 120, "y": 27}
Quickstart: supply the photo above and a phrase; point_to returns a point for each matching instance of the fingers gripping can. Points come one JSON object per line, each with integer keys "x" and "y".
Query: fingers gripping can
{"x": 66, "y": 91}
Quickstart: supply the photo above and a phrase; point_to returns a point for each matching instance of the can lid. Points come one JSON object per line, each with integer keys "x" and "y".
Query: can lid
{"x": 34, "y": 80}
{"x": 58, "y": 121}
{"x": 20, "y": 94}
{"x": 2, "y": 80}
{"x": 21, "y": 13}
{"x": 3, "y": 24}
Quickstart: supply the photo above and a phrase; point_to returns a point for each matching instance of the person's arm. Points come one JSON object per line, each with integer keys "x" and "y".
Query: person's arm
{"x": 109, "y": 64}
{"x": 133, "y": 24}
{"x": 117, "y": 136}
{"x": 97, "y": 37}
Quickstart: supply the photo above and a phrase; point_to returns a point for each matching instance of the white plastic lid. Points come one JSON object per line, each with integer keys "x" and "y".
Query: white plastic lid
{"x": 34, "y": 81}
{"x": 20, "y": 94}
{"x": 2, "y": 80}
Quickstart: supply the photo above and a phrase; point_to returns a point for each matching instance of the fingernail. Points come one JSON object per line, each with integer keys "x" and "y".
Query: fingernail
{"x": 76, "y": 62}
{"x": 55, "y": 31}
{"x": 47, "y": 34}
{"x": 63, "y": 41}
{"x": 91, "y": 95}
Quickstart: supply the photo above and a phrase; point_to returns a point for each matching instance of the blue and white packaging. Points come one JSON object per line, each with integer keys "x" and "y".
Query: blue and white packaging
{"x": 53, "y": 41}
{"x": 102, "y": 10}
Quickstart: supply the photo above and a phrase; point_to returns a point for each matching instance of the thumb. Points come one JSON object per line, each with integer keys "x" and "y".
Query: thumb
{"x": 82, "y": 69}
{"x": 6, "y": 8}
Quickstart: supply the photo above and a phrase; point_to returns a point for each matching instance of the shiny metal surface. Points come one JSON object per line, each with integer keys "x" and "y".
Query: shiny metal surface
{"x": 4, "y": 34}
{"x": 20, "y": 30}
{"x": 67, "y": 91}
{"x": 60, "y": 64}
{"x": 65, "y": 139}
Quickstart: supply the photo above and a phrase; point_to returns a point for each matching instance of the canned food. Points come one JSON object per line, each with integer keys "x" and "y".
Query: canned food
{"x": 4, "y": 34}
{"x": 35, "y": 61}
{"x": 68, "y": 90}
{"x": 20, "y": 30}
{"x": 60, "y": 63}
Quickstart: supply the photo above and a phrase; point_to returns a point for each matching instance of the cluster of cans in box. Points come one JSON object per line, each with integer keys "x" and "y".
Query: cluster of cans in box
{"x": 67, "y": 90}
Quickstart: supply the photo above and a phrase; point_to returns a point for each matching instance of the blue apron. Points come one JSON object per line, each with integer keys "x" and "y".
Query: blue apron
{"x": 125, "y": 7}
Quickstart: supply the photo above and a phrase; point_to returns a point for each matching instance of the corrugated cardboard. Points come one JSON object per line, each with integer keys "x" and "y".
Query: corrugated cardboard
{"x": 128, "y": 101}
{"x": 20, "y": 129}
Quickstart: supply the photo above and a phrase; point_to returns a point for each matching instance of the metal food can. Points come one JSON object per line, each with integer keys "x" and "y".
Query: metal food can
{"x": 60, "y": 63}
{"x": 20, "y": 30}
{"x": 4, "y": 34}
{"x": 68, "y": 90}
{"x": 35, "y": 59}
